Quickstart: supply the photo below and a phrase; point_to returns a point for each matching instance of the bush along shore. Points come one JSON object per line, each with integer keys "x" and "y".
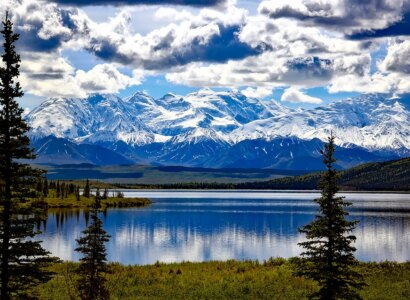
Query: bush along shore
{"x": 56, "y": 194}
{"x": 273, "y": 279}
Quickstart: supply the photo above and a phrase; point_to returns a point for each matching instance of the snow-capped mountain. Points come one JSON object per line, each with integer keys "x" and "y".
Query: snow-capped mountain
{"x": 227, "y": 129}
{"x": 374, "y": 122}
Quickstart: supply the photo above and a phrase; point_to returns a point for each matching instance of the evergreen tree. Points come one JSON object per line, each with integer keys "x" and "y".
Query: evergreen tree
{"x": 86, "y": 192}
{"x": 39, "y": 186}
{"x": 52, "y": 185}
{"x": 93, "y": 267}
{"x": 58, "y": 189}
{"x": 328, "y": 257}
{"x": 62, "y": 190}
{"x": 45, "y": 187}
{"x": 105, "y": 194}
{"x": 77, "y": 194}
{"x": 22, "y": 259}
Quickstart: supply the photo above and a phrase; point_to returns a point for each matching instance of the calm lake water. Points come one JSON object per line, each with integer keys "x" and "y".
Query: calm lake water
{"x": 220, "y": 225}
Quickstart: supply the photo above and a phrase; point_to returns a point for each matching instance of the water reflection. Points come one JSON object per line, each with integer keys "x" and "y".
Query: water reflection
{"x": 210, "y": 228}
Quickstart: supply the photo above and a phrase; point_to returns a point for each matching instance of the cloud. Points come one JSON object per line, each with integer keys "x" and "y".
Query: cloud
{"x": 105, "y": 78}
{"x": 309, "y": 69}
{"x": 391, "y": 76}
{"x": 349, "y": 16}
{"x": 45, "y": 28}
{"x": 175, "y": 46}
{"x": 400, "y": 28}
{"x": 259, "y": 92}
{"x": 294, "y": 95}
{"x": 199, "y": 3}
{"x": 39, "y": 77}
{"x": 209, "y": 36}
{"x": 38, "y": 66}
{"x": 397, "y": 58}
{"x": 298, "y": 43}
{"x": 270, "y": 70}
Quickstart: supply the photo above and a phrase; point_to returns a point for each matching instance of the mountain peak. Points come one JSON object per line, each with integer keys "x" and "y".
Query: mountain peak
{"x": 166, "y": 129}
{"x": 205, "y": 91}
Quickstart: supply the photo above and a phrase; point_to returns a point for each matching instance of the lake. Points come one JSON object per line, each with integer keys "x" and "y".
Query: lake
{"x": 221, "y": 225}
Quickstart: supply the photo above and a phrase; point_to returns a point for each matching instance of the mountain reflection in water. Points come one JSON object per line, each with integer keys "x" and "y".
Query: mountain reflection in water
{"x": 187, "y": 227}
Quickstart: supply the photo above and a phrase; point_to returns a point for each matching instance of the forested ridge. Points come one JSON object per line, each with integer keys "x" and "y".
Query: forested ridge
{"x": 391, "y": 175}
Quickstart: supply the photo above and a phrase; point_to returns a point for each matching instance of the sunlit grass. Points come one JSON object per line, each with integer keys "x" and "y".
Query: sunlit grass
{"x": 224, "y": 280}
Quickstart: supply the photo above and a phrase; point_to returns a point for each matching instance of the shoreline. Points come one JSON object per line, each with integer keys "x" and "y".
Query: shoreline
{"x": 70, "y": 201}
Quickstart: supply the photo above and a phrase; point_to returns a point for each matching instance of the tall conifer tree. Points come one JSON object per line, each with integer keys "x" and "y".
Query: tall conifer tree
{"x": 86, "y": 191}
{"x": 328, "y": 257}
{"x": 93, "y": 267}
{"x": 22, "y": 259}
{"x": 45, "y": 187}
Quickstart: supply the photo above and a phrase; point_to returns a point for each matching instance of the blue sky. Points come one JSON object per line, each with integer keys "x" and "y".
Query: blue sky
{"x": 302, "y": 53}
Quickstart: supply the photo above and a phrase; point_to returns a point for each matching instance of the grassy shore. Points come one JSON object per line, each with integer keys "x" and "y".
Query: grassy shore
{"x": 71, "y": 201}
{"x": 224, "y": 280}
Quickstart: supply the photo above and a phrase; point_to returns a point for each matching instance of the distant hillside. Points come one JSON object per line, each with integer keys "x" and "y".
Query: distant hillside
{"x": 157, "y": 175}
{"x": 390, "y": 175}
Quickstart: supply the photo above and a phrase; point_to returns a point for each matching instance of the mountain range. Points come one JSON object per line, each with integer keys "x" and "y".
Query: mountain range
{"x": 217, "y": 129}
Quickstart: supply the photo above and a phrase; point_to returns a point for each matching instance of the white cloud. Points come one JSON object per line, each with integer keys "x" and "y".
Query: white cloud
{"x": 299, "y": 50}
{"x": 41, "y": 78}
{"x": 347, "y": 16}
{"x": 294, "y": 95}
{"x": 259, "y": 92}
{"x": 105, "y": 78}
{"x": 172, "y": 14}
{"x": 397, "y": 58}
{"x": 376, "y": 83}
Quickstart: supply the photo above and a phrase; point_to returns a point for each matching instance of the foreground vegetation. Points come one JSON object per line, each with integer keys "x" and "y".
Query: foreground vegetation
{"x": 273, "y": 279}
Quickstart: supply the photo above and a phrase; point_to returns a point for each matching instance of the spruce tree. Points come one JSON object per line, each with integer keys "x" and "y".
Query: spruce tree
{"x": 39, "y": 186}
{"x": 105, "y": 194}
{"x": 93, "y": 266}
{"x": 86, "y": 192}
{"x": 45, "y": 187}
{"x": 22, "y": 259}
{"x": 62, "y": 190}
{"x": 58, "y": 189}
{"x": 328, "y": 252}
{"x": 77, "y": 193}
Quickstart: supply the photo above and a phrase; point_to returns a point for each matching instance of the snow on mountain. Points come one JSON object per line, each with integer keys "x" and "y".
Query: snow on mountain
{"x": 373, "y": 122}
{"x": 93, "y": 119}
{"x": 221, "y": 111}
{"x": 214, "y": 129}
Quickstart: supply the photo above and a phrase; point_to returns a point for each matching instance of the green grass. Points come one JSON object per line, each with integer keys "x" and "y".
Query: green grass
{"x": 71, "y": 201}
{"x": 224, "y": 280}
